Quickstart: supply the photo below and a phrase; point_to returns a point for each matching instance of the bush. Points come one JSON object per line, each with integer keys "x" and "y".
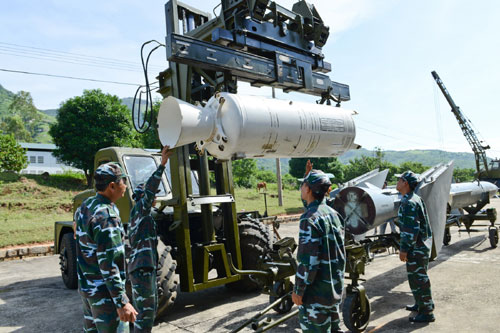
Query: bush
{"x": 12, "y": 155}
{"x": 290, "y": 182}
{"x": 266, "y": 176}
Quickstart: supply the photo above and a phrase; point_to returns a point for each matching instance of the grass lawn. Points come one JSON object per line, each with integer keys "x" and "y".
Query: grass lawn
{"x": 30, "y": 204}
{"x": 250, "y": 199}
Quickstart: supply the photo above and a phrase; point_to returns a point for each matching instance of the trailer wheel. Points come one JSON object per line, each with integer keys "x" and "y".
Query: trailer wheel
{"x": 447, "y": 236}
{"x": 167, "y": 281}
{"x": 354, "y": 319}
{"x": 255, "y": 241}
{"x": 282, "y": 288}
{"x": 493, "y": 236}
{"x": 67, "y": 261}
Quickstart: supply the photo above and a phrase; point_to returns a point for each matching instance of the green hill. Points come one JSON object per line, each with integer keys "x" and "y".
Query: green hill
{"x": 5, "y": 100}
{"x": 47, "y": 117}
{"x": 429, "y": 157}
{"x": 270, "y": 164}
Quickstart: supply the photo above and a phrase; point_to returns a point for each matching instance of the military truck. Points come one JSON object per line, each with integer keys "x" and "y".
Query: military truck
{"x": 187, "y": 262}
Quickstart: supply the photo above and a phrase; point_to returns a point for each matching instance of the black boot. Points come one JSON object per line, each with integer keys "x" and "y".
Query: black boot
{"x": 423, "y": 318}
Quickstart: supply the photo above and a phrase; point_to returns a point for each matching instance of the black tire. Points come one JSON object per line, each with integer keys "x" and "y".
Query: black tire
{"x": 167, "y": 281}
{"x": 281, "y": 288}
{"x": 354, "y": 319}
{"x": 447, "y": 236}
{"x": 255, "y": 242}
{"x": 493, "y": 236}
{"x": 67, "y": 261}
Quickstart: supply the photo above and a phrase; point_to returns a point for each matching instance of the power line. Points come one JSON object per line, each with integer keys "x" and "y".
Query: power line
{"x": 68, "y": 61}
{"x": 69, "y": 55}
{"x": 393, "y": 137}
{"x": 67, "y": 77}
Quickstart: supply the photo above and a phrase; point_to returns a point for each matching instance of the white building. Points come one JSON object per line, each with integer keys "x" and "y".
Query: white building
{"x": 40, "y": 159}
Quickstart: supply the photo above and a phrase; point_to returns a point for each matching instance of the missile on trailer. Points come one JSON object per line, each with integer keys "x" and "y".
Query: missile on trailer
{"x": 374, "y": 177}
{"x": 466, "y": 194}
{"x": 365, "y": 207}
{"x": 235, "y": 126}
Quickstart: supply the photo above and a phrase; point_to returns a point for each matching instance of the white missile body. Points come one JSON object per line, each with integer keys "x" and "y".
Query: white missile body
{"x": 366, "y": 206}
{"x": 236, "y": 126}
{"x": 466, "y": 194}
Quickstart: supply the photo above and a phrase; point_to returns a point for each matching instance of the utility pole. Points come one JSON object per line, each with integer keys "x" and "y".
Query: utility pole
{"x": 278, "y": 173}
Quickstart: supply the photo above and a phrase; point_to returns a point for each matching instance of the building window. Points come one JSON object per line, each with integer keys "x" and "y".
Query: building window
{"x": 32, "y": 159}
{"x": 40, "y": 159}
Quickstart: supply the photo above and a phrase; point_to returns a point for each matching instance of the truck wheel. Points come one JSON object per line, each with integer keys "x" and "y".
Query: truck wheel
{"x": 67, "y": 261}
{"x": 255, "y": 241}
{"x": 167, "y": 281}
{"x": 354, "y": 319}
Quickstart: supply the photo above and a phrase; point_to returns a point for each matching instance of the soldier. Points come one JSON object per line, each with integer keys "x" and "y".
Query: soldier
{"x": 101, "y": 255}
{"x": 321, "y": 259}
{"x": 143, "y": 242}
{"x": 415, "y": 246}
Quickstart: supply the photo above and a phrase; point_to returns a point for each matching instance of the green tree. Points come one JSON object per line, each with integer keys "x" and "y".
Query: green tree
{"x": 464, "y": 175}
{"x": 12, "y": 155}
{"x": 14, "y": 125}
{"x": 88, "y": 123}
{"x": 416, "y": 167}
{"x": 364, "y": 164}
{"x": 298, "y": 165}
{"x": 150, "y": 138}
{"x": 266, "y": 176}
{"x": 290, "y": 182}
{"x": 244, "y": 172}
{"x": 22, "y": 105}
{"x": 337, "y": 168}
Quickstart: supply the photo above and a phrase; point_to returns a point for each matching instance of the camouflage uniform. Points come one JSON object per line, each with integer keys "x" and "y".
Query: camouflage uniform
{"x": 144, "y": 256}
{"x": 416, "y": 241}
{"x": 321, "y": 265}
{"x": 101, "y": 260}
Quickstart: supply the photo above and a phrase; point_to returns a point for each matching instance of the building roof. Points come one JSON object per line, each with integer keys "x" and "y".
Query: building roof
{"x": 38, "y": 146}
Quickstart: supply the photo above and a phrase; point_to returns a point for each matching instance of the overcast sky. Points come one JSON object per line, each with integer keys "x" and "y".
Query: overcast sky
{"x": 384, "y": 50}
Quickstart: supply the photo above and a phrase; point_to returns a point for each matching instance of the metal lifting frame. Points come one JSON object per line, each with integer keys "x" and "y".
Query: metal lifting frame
{"x": 209, "y": 55}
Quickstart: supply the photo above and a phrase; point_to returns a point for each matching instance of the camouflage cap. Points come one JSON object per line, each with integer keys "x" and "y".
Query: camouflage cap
{"x": 109, "y": 172}
{"x": 317, "y": 181}
{"x": 410, "y": 178}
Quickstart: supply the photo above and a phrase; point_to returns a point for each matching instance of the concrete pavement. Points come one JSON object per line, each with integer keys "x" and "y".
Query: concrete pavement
{"x": 464, "y": 283}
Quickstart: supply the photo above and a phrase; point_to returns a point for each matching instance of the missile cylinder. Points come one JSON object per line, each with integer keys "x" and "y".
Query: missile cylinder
{"x": 365, "y": 208}
{"x": 236, "y": 126}
{"x": 466, "y": 194}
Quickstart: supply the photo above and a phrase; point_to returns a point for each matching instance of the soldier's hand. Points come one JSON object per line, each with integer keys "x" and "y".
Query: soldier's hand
{"x": 296, "y": 299}
{"x": 165, "y": 154}
{"x": 403, "y": 256}
{"x": 127, "y": 313}
{"x": 309, "y": 167}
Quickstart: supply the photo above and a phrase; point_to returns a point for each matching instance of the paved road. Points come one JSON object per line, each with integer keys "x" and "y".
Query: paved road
{"x": 464, "y": 283}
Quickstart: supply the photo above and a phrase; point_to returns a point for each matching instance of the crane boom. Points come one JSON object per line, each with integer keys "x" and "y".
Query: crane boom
{"x": 465, "y": 125}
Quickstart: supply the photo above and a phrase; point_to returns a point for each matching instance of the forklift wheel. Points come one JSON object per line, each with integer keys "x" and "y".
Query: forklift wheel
{"x": 447, "y": 236}
{"x": 354, "y": 319}
{"x": 281, "y": 288}
{"x": 493, "y": 236}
